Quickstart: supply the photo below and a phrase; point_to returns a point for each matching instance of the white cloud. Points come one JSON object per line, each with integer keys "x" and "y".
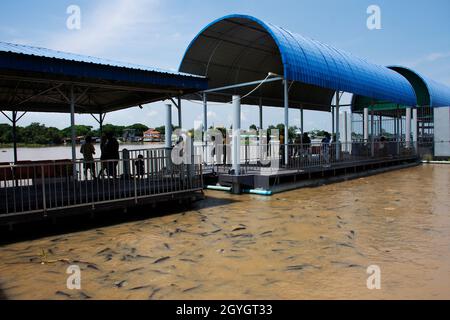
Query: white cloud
{"x": 430, "y": 58}
{"x": 152, "y": 113}
{"x": 106, "y": 26}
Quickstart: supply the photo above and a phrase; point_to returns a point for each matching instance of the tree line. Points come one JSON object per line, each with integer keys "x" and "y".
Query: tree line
{"x": 39, "y": 134}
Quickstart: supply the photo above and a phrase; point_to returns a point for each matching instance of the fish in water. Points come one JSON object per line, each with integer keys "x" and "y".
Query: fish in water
{"x": 190, "y": 289}
{"x": 93, "y": 266}
{"x": 62, "y": 293}
{"x": 120, "y": 284}
{"x": 155, "y": 291}
{"x": 140, "y": 288}
{"x": 302, "y": 267}
{"x": 84, "y": 296}
{"x": 161, "y": 260}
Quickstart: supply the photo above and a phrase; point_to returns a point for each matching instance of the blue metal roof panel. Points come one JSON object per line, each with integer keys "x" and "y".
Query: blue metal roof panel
{"x": 439, "y": 92}
{"x": 54, "y": 54}
{"x": 312, "y": 62}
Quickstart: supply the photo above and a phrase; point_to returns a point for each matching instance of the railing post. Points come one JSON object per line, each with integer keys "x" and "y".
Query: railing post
{"x": 126, "y": 162}
{"x": 44, "y": 195}
{"x": 414, "y": 127}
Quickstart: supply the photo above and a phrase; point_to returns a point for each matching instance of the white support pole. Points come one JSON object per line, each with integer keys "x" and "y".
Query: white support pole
{"x": 333, "y": 122}
{"x": 415, "y": 129}
{"x": 380, "y": 119}
{"x": 338, "y": 134}
{"x": 408, "y": 127}
{"x": 366, "y": 124}
{"x": 345, "y": 132}
{"x": 236, "y": 135}
{"x": 73, "y": 131}
{"x": 205, "y": 117}
{"x": 180, "y": 121}
{"x": 260, "y": 115}
{"x": 14, "y": 135}
{"x": 372, "y": 131}
{"x": 286, "y": 121}
{"x": 302, "y": 128}
{"x": 168, "y": 126}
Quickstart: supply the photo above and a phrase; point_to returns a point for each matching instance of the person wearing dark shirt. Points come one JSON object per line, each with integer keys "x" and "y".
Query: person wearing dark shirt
{"x": 111, "y": 153}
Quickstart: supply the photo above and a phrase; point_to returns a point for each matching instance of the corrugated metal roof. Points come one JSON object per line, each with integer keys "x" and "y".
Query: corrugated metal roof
{"x": 312, "y": 62}
{"x": 439, "y": 93}
{"x": 54, "y": 54}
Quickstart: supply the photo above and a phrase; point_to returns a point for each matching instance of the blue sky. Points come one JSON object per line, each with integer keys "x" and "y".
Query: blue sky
{"x": 157, "y": 32}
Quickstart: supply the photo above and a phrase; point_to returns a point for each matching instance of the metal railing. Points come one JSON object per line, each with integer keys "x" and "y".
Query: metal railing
{"x": 301, "y": 156}
{"x": 51, "y": 185}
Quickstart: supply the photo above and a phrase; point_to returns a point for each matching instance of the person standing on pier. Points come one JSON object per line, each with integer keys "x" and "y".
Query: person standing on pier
{"x": 111, "y": 151}
{"x": 88, "y": 151}
{"x": 103, "y": 163}
{"x": 326, "y": 147}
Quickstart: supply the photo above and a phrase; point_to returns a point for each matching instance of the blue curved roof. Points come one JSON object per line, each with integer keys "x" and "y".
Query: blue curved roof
{"x": 312, "y": 62}
{"x": 439, "y": 93}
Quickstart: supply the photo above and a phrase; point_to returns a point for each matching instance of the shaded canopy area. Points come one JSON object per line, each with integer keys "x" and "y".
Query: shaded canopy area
{"x": 429, "y": 94}
{"x": 239, "y": 48}
{"x": 38, "y": 79}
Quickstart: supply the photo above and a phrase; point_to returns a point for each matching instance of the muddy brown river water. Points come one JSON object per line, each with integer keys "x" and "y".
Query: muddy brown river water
{"x": 306, "y": 244}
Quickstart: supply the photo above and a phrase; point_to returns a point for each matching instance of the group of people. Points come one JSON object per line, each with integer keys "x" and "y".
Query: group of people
{"x": 303, "y": 145}
{"x": 109, "y": 148}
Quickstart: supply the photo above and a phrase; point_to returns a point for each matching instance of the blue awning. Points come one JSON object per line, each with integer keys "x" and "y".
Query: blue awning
{"x": 438, "y": 94}
{"x": 241, "y": 48}
{"x": 105, "y": 85}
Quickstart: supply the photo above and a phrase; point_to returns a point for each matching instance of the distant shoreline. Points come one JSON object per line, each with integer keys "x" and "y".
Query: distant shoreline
{"x": 32, "y": 145}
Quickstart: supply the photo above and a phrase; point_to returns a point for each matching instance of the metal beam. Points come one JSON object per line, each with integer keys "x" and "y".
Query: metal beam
{"x": 94, "y": 84}
{"x": 245, "y": 84}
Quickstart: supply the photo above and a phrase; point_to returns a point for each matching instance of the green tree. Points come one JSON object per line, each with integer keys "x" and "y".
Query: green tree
{"x": 139, "y": 127}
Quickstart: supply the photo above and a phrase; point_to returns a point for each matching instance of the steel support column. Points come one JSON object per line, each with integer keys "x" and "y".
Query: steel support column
{"x": 205, "y": 117}
{"x": 408, "y": 127}
{"x": 260, "y": 115}
{"x": 180, "y": 121}
{"x": 415, "y": 129}
{"x": 73, "y": 131}
{"x": 286, "y": 121}
{"x": 338, "y": 129}
{"x": 14, "y": 134}
{"x": 372, "y": 131}
{"x": 236, "y": 135}
{"x": 366, "y": 124}
{"x": 302, "y": 128}
{"x": 332, "y": 121}
{"x": 168, "y": 127}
